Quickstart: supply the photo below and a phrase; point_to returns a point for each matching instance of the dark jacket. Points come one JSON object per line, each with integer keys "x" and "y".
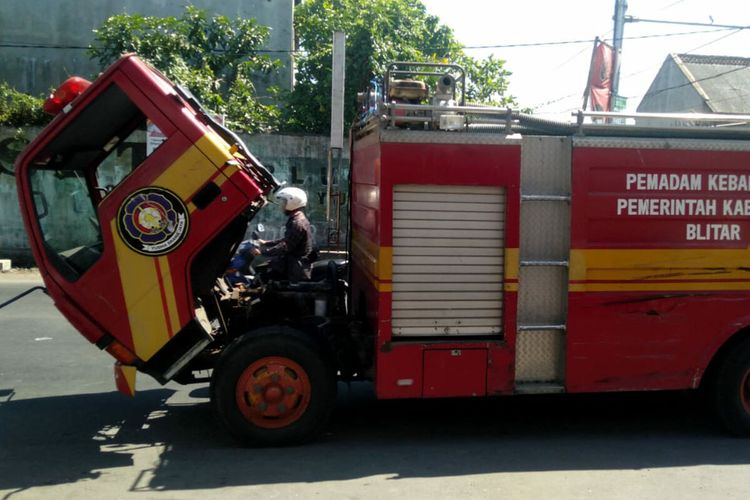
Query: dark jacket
{"x": 291, "y": 253}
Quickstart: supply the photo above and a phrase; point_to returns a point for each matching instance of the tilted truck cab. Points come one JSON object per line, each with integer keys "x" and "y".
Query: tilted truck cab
{"x": 148, "y": 243}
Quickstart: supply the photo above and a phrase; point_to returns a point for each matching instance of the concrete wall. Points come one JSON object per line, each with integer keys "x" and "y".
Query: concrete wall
{"x": 299, "y": 160}
{"x": 13, "y": 242}
{"x": 68, "y": 25}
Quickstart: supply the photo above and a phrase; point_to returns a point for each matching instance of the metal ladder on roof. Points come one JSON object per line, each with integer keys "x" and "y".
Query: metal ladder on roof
{"x": 544, "y": 262}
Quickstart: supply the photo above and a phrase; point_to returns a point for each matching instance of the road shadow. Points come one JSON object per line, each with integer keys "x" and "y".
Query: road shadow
{"x": 58, "y": 440}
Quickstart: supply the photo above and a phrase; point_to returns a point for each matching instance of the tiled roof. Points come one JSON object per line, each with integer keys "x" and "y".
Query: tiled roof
{"x": 724, "y": 80}
{"x": 714, "y": 60}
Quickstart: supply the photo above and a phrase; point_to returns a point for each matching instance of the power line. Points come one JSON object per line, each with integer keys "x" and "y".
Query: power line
{"x": 647, "y": 94}
{"x": 588, "y": 41}
{"x": 714, "y": 41}
{"x": 24, "y": 45}
{"x": 631, "y": 19}
{"x": 736, "y": 29}
{"x": 733, "y": 32}
{"x": 582, "y": 51}
{"x": 558, "y": 99}
{"x": 641, "y": 71}
{"x": 717, "y": 75}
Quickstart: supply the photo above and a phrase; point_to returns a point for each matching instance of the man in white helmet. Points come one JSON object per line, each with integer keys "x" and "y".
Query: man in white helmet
{"x": 291, "y": 254}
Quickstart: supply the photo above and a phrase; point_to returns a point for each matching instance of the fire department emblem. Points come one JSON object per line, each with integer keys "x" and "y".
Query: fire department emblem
{"x": 153, "y": 221}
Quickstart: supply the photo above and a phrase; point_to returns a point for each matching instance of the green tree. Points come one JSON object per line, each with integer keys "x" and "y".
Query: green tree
{"x": 216, "y": 58}
{"x": 378, "y": 31}
{"x": 487, "y": 81}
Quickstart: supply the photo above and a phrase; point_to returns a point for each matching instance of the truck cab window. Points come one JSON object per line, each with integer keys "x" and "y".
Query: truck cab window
{"x": 79, "y": 168}
{"x": 67, "y": 220}
{"x": 124, "y": 156}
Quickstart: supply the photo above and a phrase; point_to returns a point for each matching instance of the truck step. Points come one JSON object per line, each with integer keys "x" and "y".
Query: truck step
{"x": 545, "y": 197}
{"x": 544, "y": 263}
{"x": 539, "y": 328}
{"x": 539, "y": 388}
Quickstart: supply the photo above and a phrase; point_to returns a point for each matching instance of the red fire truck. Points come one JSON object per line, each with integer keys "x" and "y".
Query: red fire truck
{"x": 491, "y": 252}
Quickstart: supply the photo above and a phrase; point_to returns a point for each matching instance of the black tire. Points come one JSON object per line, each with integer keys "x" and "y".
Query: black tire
{"x": 731, "y": 391}
{"x": 273, "y": 387}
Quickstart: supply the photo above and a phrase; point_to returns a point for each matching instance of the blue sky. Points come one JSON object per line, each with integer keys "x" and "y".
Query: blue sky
{"x": 551, "y": 78}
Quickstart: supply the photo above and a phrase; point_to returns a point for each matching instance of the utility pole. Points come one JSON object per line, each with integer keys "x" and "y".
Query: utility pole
{"x": 335, "y": 151}
{"x": 621, "y": 6}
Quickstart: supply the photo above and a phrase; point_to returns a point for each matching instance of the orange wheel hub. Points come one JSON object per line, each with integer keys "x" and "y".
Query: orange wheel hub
{"x": 273, "y": 392}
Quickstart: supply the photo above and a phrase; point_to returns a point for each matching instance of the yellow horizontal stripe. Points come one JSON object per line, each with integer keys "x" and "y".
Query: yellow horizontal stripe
{"x": 364, "y": 253}
{"x": 385, "y": 263}
{"x": 379, "y": 285}
{"x": 511, "y": 263}
{"x": 660, "y": 287}
{"x": 378, "y": 261}
{"x": 659, "y": 265}
{"x": 609, "y": 269}
{"x": 603, "y": 270}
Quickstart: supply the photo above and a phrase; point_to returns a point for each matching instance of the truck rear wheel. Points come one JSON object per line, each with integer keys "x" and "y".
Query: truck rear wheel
{"x": 273, "y": 388}
{"x": 732, "y": 391}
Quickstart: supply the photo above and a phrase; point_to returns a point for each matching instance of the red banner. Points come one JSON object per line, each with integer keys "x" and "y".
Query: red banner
{"x": 602, "y": 71}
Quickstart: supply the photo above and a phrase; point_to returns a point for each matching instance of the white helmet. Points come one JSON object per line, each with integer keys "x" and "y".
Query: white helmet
{"x": 291, "y": 198}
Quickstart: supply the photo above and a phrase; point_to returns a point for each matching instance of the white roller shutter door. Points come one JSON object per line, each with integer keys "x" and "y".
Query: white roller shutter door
{"x": 448, "y": 249}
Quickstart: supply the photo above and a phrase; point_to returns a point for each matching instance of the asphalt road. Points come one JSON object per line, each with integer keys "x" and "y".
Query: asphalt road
{"x": 65, "y": 433}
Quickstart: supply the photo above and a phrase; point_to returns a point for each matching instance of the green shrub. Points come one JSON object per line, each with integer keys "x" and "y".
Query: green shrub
{"x": 19, "y": 110}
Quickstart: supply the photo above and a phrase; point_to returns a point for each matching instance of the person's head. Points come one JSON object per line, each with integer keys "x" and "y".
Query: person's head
{"x": 291, "y": 198}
